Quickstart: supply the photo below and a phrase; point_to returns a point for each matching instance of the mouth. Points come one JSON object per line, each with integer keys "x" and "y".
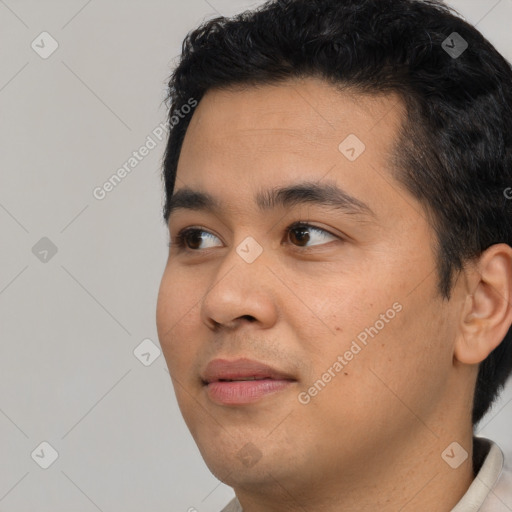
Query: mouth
{"x": 242, "y": 381}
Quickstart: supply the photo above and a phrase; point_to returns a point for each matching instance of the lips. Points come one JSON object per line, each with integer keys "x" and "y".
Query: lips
{"x": 223, "y": 370}
{"x": 242, "y": 382}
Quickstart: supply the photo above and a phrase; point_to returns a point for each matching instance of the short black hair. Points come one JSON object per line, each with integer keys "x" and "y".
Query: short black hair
{"x": 454, "y": 150}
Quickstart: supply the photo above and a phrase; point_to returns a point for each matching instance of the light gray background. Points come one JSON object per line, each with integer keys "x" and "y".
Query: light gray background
{"x": 69, "y": 326}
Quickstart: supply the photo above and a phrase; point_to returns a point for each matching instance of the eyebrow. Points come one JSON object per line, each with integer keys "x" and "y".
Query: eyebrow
{"x": 324, "y": 195}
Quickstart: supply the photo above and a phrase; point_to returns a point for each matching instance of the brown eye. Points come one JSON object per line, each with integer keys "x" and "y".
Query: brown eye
{"x": 192, "y": 238}
{"x": 301, "y": 234}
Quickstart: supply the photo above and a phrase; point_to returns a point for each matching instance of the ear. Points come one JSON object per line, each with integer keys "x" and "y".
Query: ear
{"x": 487, "y": 313}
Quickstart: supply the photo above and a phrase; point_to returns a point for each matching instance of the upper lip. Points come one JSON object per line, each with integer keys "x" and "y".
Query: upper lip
{"x": 240, "y": 368}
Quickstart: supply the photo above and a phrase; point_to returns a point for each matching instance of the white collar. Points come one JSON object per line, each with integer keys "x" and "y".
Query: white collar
{"x": 491, "y": 490}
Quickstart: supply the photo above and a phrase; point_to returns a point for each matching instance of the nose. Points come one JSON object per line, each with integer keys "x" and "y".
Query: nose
{"x": 240, "y": 292}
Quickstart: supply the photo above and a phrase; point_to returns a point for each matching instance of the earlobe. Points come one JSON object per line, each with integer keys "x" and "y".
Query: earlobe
{"x": 487, "y": 313}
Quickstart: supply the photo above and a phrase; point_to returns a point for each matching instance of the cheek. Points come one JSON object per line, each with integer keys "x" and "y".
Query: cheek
{"x": 372, "y": 324}
{"x": 345, "y": 307}
{"x": 176, "y": 298}
{"x": 176, "y": 308}
{"x": 407, "y": 362}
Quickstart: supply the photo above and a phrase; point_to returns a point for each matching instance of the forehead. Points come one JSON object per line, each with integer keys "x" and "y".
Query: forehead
{"x": 246, "y": 139}
{"x": 310, "y": 108}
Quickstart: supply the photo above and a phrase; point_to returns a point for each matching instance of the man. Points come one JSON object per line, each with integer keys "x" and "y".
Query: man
{"x": 335, "y": 311}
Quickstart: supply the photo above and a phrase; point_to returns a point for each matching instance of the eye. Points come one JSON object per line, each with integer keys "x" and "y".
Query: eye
{"x": 300, "y": 233}
{"x": 191, "y": 236}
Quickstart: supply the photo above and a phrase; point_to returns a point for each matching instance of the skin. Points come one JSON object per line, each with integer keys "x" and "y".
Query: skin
{"x": 372, "y": 439}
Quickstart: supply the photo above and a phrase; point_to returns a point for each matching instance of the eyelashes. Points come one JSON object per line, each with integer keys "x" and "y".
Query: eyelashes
{"x": 194, "y": 236}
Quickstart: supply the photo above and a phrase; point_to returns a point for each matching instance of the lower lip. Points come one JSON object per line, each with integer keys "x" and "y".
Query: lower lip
{"x": 244, "y": 392}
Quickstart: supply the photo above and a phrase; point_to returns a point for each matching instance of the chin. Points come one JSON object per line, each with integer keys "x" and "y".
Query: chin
{"x": 241, "y": 477}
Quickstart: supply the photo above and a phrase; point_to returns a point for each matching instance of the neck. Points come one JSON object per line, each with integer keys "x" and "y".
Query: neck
{"x": 410, "y": 476}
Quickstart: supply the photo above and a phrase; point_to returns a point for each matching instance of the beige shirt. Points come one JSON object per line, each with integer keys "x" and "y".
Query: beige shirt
{"x": 491, "y": 490}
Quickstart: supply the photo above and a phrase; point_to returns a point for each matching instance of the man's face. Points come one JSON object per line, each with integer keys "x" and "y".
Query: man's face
{"x": 348, "y": 302}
